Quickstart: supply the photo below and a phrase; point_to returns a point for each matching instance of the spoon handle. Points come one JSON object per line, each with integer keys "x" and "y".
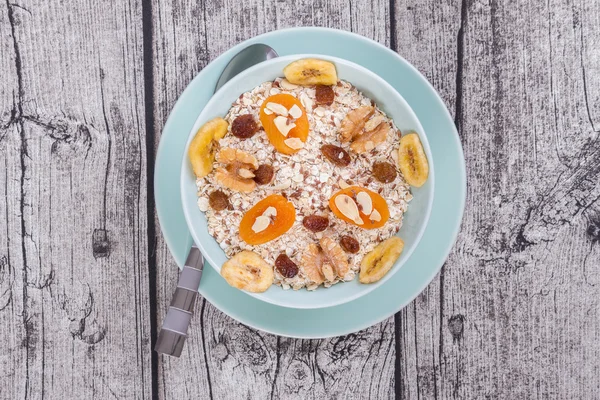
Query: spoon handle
{"x": 175, "y": 325}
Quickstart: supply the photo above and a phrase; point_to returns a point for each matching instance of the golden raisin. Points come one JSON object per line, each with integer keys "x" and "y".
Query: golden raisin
{"x": 286, "y": 267}
{"x": 244, "y": 126}
{"x": 264, "y": 174}
{"x": 218, "y": 200}
{"x": 315, "y": 223}
{"x": 384, "y": 172}
{"x": 336, "y": 154}
{"x": 324, "y": 95}
{"x": 349, "y": 244}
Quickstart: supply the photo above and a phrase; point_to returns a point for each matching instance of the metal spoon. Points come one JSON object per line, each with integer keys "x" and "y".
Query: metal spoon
{"x": 175, "y": 325}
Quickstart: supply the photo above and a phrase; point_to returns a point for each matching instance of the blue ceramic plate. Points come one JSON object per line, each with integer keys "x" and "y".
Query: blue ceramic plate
{"x": 429, "y": 255}
{"x": 389, "y": 100}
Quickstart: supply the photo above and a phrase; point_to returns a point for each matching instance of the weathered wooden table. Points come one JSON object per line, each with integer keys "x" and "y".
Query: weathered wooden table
{"x": 85, "y": 276}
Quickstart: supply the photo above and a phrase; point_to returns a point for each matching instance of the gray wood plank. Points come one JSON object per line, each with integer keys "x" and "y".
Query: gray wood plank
{"x": 519, "y": 294}
{"x": 224, "y": 359}
{"x": 73, "y": 259}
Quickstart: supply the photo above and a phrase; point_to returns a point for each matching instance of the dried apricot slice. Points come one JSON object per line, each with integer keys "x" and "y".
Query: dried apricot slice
{"x": 267, "y": 220}
{"x": 272, "y": 122}
{"x": 355, "y": 208}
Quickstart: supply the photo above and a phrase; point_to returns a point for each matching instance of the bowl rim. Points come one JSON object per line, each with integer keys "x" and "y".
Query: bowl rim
{"x": 422, "y": 135}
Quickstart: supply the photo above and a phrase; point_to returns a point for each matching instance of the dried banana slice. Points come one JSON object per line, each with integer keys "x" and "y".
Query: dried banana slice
{"x": 380, "y": 260}
{"x": 311, "y": 71}
{"x": 248, "y": 271}
{"x": 412, "y": 160}
{"x": 202, "y": 148}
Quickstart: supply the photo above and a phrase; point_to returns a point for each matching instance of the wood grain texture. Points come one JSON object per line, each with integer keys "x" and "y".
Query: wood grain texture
{"x": 223, "y": 358}
{"x": 73, "y": 260}
{"x": 515, "y": 313}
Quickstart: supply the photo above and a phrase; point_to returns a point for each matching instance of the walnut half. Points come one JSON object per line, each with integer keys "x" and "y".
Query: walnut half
{"x": 238, "y": 172}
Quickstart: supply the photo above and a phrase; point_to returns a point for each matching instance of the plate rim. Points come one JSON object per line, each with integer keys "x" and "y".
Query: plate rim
{"x": 461, "y": 199}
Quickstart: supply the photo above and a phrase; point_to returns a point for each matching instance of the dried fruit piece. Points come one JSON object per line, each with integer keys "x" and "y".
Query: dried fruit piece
{"x": 354, "y": 123}
{"x": 278, "y": 225}
{"x": 218, "y": 200}
{"x": 412, "y": 160}
{"x": 369, "y": 140}
{"x": 264, "y": 174}
{"x": 315, "y": 223}
{"x": 380, "y": 260}
{"x": 336, "y": 155}
{"x": 248, "y": 271}
{"x": 286, "y": 267}
{"x": 341, "y": 205}
{"x": 239, "y": 170}
{"x": 324, "y": 95}
{"x": 324, "y": 261}
{"x": 349, "y": 244}
{"x": 384, "y": 172}
{"x": 244, "y": 126}
{"x": 311, "y": 71}
{"x": 269, "y": 123}
{"x": 203, "y": 146}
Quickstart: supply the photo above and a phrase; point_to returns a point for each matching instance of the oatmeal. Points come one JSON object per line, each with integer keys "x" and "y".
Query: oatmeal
{"x": 308, "y": 178}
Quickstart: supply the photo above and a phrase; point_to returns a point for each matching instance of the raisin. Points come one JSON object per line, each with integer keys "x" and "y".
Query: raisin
{"x": 285, "y": 266}
{"x": 244, "y": 126}
{"x": 324, "y": 95}
{"x": 384, "y": 172}
{"x": 349, "y": 244}
{"x": 218, "y": 200}
{"x": 315, "y": 223}
{"x": 264, "y": 174}
{"x": 336, "y": 154}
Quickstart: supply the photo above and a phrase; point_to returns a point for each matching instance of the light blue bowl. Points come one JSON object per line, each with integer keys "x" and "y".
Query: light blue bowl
{"x": 389, "y": 100}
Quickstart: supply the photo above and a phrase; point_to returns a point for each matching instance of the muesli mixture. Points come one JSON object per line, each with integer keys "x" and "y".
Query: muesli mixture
{"x": 303, "y": 183}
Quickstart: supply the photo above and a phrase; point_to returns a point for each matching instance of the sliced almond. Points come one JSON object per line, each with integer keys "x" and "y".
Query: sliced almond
{"x": 261, "y": 224}
{"x": 270, "y": 212}
{"x": 375, "y": 216}
{"x": 348, "y": 207}
{"x": 283, "y": 185}
{"x": 295, "y": 111}
{"x": 364, "y": 201}
{"x": 306, "y": 101}
{"x": 277, "y": 108}
{"x": 294, "y": 143}
{"x": 287, "y": 85}
{"x": 267, "y": 111}
{"x": 283, "y": 126}
{"x": 320, "y": 111}
{"x": 342, "y": 184}
{"x": 245, "y": 173}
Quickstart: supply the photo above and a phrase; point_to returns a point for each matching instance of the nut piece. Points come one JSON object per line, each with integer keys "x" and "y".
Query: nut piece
{"x": 294, "y": 143}
{"x": 277, "y": 108}
{"x": 354, "y": 122}
{"x": 375, "y": 216}
{"x": 315, "y": 223}
{"x": 311, "y": 262}
{"x": 336, "y": 154}
{"x": 369, "y": 140}
{"x": 286, "y": 267}
{"x": 374, "y": 122}
{"x": 365, "y": 204}
{"x": 349, "y": 244}
{"x": 320, "y": 262}
{"x": 218, "y": 200}
{"x": 287, "y": 85}
{"x": 238, "y": 173}
{"x": 261, "y": 223}
{"x": 328, "y": 273}
{"x": 384, "y": 172}
{"x": 335, "y": 255}
{"x": 284, "y": 126}
{"x": 348, "y": 208}
{"x": 295, "y": 111}
{"x": 324, "y": 95}
{"x": 244, "y": 126}
{"x": 264, "y": 174}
